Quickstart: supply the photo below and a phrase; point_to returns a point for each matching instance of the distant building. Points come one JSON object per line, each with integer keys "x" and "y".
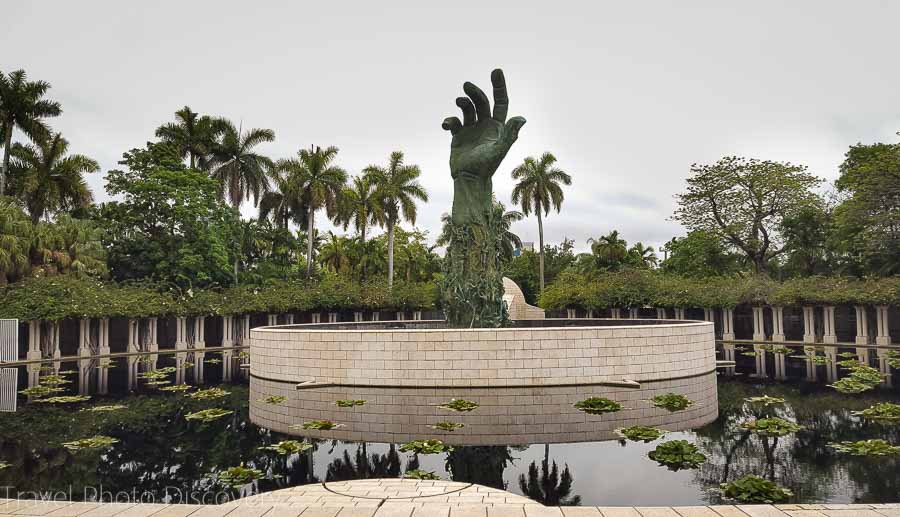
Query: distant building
{"x": 525, "y": 246}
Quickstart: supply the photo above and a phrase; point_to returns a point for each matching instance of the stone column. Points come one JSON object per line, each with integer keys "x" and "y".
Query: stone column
{"x": 376, "y": 316}
{"x": 728, "y": 324}
{"x": 780, "y": 367}
{"x": 84, "y": 352}
{"x": 103, "y": 349}
{"x": 761, "y": 370}
{"x": 153, "y": 342}
{"x": 759, "y": 329}
{"x": 883, "y": 336}
{"x": 884, "y": 367}
{"x": 660, "y": 313}
{"x": 199, "y": 346}
{"x": 316, "y": 317}
{"x": 34, "y": 353}
{"x": 616, "y": 313}
{"x": 809, "y": 324}
{"x": 589, "y": 314}
{"x": 289, "y": 319}
{"x": 679, "y": 313}
{"x": 133, "y": 346}
{"x": 778, "y": 324}
{"x": 570, "y": 314}
{"x": 180, "y": 344}
{"x": 272, "y": 320}
{"x": 633, "y": 313}
{"x": 401, "y": 316}
{"x": 831, "y": 364}
{"x": 227, "y": 342}
{"x": 862, "y": 325}
{"x": 333, "y": 317}
{"x": 829, "y": 335}
{"x": 357, "y": 316}
{"x": 709, "y": 315}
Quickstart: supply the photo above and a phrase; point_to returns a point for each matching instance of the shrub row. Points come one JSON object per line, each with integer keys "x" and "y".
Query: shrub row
{"x": 643, "y": 288}
{"x": 60, "y": 297}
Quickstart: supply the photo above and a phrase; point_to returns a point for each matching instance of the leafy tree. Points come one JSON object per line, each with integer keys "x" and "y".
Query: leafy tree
{"x": 806, "y": 239}
{"x": 538, "y": 189}
{"x": 47, "y": 180}
{"x": 523, "y": 270}
{"x": 240, "y": 172}
{"x": 745, "y": 201}
{"x": 22, "y": 106}
{"x": 699, "y": 254}
{"x": 868, "y": 221}
{"x": 396, "y": 191}
{"x": 335, "y": 254}
{"x": 284, "y": 204}
{"x": 610, "y": 251}
{"x": 68, "y": 247}
{"x": 194, "y": 135}
{"x": 169, "y": 226}
{"x": 314, "y": 181}
{"x": 15, "y": 241}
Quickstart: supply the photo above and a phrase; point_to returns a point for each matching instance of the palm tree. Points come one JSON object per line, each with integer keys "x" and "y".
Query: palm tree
{"x": 70, "y": 247}
{"x": 643, "y": 256}
{"x": 283, "y": 204}
{"x": 47, "y": 180}
{"x": 396, "y": 192}
{"x": 358, "y": 207}
{"x": 15, "y": 238}
{"x": 610, "y": 251}
{"x": 240, "y": 171}
{"x": 22, "y": 106}
{"x": 192, "y": 134}
{"x": 335, "y": 254}
{"x": 319, "y": 184}
{"x": 538, "y": 189}
{"x": 550, "y": 488}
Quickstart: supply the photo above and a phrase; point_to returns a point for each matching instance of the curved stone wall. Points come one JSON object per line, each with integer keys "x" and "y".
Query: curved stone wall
{"x": 505, "y": 416}
{"x": 418, "y": 356}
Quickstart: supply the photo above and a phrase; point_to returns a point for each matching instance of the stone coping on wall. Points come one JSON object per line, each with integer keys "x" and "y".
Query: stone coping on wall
{"x": 539, "y": 356}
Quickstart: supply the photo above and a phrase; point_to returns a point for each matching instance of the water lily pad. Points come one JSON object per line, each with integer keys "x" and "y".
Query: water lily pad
{"x": 448, "y": 426}
{"x": 764, "y": 400}
{"x": 64, "y": 399}
{"x": 236, "y": 477}
{"x": 349, "y": 403}
{"x": 773, "y": 426}
{"x": 876, "y": 447}
{"x": 288, "y": 447}
{"x": 209, "y": 394}
{"x": 421, "y": 474}
{"x": 274, "y": 399}
{"x": 94, "y": 442}
{"x": 597, "y": 406}
{"x": 40, "y": 391}
{"x": 754, "y": 489}
{"x": 672, "y": 401}
{"x": 884, "y": 412}
{"x": 461, "y": 405}
{"x": 319, "y": 425}
{"x": 677, "y": 455}
{"x": 177, "y": 387}
{"x": 103, "y": 409}
{"x": 426, "y": 447}
{"x": 640, "y": 433}
{"x": 208, "y": 415}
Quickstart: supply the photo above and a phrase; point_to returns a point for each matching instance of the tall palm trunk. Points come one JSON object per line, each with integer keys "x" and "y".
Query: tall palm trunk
{"x": 309, "y": 240}
{"x": 193, "y": 159}
{"x": 6, "y": 145}
{"x": 390, "y": 254}
{"x": 362, "y": 240}
{"x": 541, "y": 244}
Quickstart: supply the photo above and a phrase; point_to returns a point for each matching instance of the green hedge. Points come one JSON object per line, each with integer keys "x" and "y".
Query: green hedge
{"x": 56, "y": 298}
{"x": 642, "y": 288}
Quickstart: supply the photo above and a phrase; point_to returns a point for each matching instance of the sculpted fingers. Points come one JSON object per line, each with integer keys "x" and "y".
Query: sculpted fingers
{"x": 452, "y": 124}
{"x": 468, "y": 110}
{"x": 482, "y": 105}
{"x": 501, "y": 96}
{"x": 511, "y": 130}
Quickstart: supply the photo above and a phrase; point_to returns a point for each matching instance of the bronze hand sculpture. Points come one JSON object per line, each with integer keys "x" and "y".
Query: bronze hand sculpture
{"x": 480, "y": 142}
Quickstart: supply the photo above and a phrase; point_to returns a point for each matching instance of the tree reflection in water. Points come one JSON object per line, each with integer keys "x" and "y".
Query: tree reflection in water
{"x": 363, "y": 466}
{"x": 549, "y": 488}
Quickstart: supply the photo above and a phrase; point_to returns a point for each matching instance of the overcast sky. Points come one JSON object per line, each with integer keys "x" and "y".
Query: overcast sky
{"x": 626, "y": 95}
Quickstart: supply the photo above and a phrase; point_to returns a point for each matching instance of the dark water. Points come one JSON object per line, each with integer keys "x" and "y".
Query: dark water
{"x": 160, "y": 454}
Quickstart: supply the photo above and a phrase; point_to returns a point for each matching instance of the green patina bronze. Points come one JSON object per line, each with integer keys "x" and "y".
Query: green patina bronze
{"x": 472, "y": 291}
{"x": 480, "y": 142}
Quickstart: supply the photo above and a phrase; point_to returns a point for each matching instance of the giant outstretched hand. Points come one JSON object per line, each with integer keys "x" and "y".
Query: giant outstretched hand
{"x": 480, "y": 142}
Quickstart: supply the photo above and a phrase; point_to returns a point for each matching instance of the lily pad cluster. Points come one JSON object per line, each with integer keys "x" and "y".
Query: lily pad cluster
{"x": 421, "y": 474}
{"x": 274, "y": 399}
{"x": 754, "y": 489}
{"x": 349, "y": 403}
{"x": 209, "y": 394}
{"x": 677, "y": 455}
{"x": 640, "y": 433}
{"x": 177, "y": 387}
{"x": 236, "y": 477}
{"x": 459, "y": 405}
{"x": 94, "y": 442}
{"x": 672, "y": 402}
{"x": 103, "y": 409}
{"x": 64, "y": 399}
{"x": 884, "y": 412}
{"x": 208, "y": 415}
{"x": 862, "y": 378}
{"x": 772, "y": 427}
{"x": 874, "y": 447}
{"x": 286, "y": 447}
{"x": 448, "y": 426}
{"x": 597, "y": 406}
{"x": 764, "y": 400}
{"x": 319, "y": 425}
{"x": 426, "y": 447}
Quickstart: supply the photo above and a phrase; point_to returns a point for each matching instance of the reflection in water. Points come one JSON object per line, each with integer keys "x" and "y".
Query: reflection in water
{"x": 545, "y": 449}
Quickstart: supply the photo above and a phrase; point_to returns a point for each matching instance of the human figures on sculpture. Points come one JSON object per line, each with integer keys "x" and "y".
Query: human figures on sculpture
{"x": 472, "y": 290}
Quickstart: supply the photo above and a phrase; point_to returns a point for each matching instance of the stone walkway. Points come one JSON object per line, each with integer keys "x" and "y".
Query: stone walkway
{"x": 414, "y": 498}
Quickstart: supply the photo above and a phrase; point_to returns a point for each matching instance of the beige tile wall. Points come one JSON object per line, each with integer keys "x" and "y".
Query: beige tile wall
{"x": 472, "y": 358}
